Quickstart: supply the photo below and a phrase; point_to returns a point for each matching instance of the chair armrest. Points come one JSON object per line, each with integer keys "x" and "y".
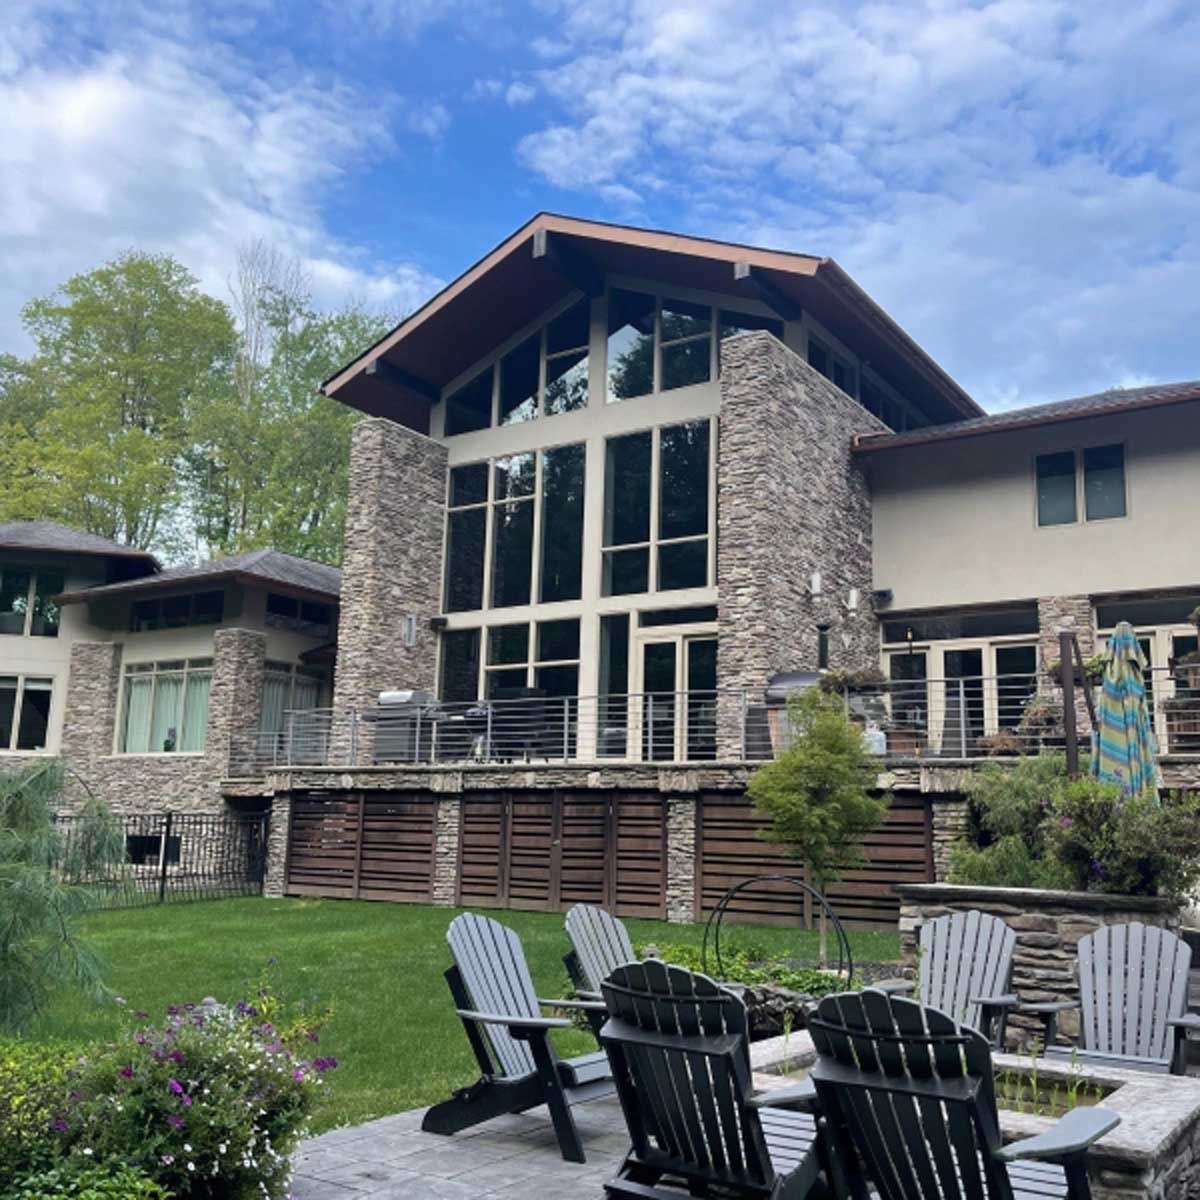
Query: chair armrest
{"x": 583, "y": 1004}
{"x": 514, "y": 1022}
{"x": 894, "y": 987}
{"x": 1071, "y": 1134}
{"x": 586, "y": 994}
{"x": 1048, "y": 1006}
{"x": 1006, "y": 1001}
{"x": 802, "y": 1096}
{"x": 1186, "y": 1022}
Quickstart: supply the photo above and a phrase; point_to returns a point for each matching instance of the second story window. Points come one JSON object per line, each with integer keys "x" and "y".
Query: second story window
{"x": 1098, "y": 472}
{"x": 176, "y": 612}
{"x": 24, "y": 712}
{"x": 301, "y": 616}
{"x": 166, "y": 707}
{"x": 27, "y": 607}
{"x": 656, "y": 510}
{"x": 514, "y": 530}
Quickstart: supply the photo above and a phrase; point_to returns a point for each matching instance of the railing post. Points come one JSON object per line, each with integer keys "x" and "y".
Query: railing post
{"x": 291, "y": 739}
{"x": 1066, "y": 660}
{"x": 354, "y": 737}
{"x": 162, "y": 858}
{"x": 745, "y": 719}
{"x": 649, "y": 697}
{"x": 566, "y": 728}
{"x": 417, "y": 738}
{"x": 962, "y": 716}
{"x": 487, "y": 734}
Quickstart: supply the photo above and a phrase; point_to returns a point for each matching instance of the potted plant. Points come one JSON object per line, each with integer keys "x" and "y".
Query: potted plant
{"x": 1093, "y": 671}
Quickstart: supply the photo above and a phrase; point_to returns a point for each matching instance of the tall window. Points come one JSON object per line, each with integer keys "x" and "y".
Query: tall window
{"x": 543, "y": 656}
{"x": 27, "y": 608}
{"x": 166, "y": 706}
{"x": 287, "y": 688}
{"x": 546, "y": 374}
{"x": 656, "y": 510}
{"x": 513, "y": 504}
{"x": 838, "y": 370}
{"x": 24, "y": 712}
{"x": 1099, "y": 472}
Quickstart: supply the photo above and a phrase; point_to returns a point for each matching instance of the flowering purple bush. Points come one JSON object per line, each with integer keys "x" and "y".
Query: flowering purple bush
{"x": 210, "y": 1104}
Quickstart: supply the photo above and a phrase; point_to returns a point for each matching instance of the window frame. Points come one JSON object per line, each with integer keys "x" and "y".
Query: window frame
{"x": 655, "y": 540}
{"x": 35, "y": 574}
{"x": 156, "y": 668}
{"x": 530, "y": 664}
{"x": 490, "y": 504}
{"x": 1078, "y": 456}
{"x": 23, "y": 678}
{"x": 191, "y": 622}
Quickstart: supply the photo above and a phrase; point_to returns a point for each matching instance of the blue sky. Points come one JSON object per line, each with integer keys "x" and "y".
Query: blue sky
{"x": 1016, "y": 181}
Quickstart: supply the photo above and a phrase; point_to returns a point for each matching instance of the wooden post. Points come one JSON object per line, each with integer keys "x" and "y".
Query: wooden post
{"x": 1066, "y": 661}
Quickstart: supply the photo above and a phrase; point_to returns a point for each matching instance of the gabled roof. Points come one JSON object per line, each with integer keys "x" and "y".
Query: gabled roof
{"x": 1116, "y": 400}
{"x": 552, "y": 256}
{"x": 50, "y": 536}
{"x": 287, "y": 572}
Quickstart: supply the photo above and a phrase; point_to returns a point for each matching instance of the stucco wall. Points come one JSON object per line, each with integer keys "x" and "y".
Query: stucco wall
{"x": 956, "y": 523}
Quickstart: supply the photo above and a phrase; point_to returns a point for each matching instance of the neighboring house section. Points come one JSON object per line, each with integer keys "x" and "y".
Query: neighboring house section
{"x": 990, "y": 535}
{"x": 164, "y": 688}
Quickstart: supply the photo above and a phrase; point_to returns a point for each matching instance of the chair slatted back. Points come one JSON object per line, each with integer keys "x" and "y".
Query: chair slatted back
{"x": 1132, "y": 979}
{"x": 964, "y": 955}
{"x": 601, "y": 943}
{"x": 912, "y": 1093}
{"x": 492, "y": 965}
{"x": 679, "y": 1051}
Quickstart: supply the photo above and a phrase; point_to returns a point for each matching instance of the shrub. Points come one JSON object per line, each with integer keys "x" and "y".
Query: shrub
{"x": 34, "y": 1089}
{"x": 1007, "y": 863}
{"x": 209, "y": 1105}
{"x": 741, "y": 966}
{"x": 1133, "y": 846}
{"x": 114, "y": 1182}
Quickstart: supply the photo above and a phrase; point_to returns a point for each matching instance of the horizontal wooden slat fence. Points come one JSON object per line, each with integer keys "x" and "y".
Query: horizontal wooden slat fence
{"x": 732, "y": 850}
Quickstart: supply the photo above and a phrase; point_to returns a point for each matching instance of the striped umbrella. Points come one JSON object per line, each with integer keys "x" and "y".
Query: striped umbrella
{"x": 1123, "y": 749}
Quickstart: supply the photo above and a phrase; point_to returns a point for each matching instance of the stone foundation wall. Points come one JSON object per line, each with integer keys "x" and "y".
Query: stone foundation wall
{"x": 681, "y": 860}
{"x": 1048, "y": 927}
{"x": 275, "y": 877}
{"x": 448, "y": 835}
{"x": 950, "y": 818}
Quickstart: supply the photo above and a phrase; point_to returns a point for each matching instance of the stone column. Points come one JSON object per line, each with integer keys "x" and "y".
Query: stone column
{"x": 949, "y": 828}
{"x": 275, "y": 879}
{"x": 447, "y": 833}
{"x": 391, "y": 568}
{"x": 791, "y": 502}
{"x": 93, "y": 691}
{"x": 235, "y": 701}
{"x": 1064, "y": 612}
{"x": 681, "y": 859}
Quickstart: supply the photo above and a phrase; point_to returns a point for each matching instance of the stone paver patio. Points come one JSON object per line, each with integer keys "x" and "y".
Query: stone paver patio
{"x": 504, "y": 1159}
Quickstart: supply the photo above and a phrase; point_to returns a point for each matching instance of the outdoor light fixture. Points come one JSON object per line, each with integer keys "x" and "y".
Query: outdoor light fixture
{"x": 814, "y": 584}
{"x": 881, "y": 598}
{"x": 852, "y": 602}
{"x": 410, "y": 631}
{"x": 437, "y": 624}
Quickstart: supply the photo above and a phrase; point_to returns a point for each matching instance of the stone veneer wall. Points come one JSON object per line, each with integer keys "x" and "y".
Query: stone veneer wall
{"x": 153, "y": 783}
{"x": 392, "y": 565}
{"x": 1064, "y": 612}
{"x": 949, "y": 827}
{"x": 791, "y": 501}
{"x": 1048, "y": 926}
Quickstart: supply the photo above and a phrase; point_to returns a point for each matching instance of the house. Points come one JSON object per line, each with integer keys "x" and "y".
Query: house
{"x": 162, "y": 689}
{"x": 612, "y": 484}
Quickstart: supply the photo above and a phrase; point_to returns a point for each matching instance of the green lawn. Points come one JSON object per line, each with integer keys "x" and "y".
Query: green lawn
{"x": 379, "y": 965}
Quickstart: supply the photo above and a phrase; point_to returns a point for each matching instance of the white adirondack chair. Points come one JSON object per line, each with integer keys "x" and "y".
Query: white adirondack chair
{"x": 599, "y": 945}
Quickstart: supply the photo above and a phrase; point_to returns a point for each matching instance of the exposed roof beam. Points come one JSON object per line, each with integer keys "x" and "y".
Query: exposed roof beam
{"x": 782, "y": 306}
{"x": 569, "y": 261}
{"x": 385, "y": 372}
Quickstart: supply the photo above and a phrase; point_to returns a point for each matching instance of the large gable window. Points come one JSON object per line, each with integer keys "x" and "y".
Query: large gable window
{"x": 543, "y": 375}
{"x": 166, "y": 706}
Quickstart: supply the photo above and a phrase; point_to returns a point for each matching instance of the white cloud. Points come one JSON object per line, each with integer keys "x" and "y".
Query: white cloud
{"x": 1017, "y": 181}
{"x": 180, "y": 146}
{"x": 519, "y": 93}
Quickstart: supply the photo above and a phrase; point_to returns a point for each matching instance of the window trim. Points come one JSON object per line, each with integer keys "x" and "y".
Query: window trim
{"x": 22, "y": 678}
{"x": 1080, "y": 479}
{"x": 531, "y": 663}
{"x": 190, "y": 623}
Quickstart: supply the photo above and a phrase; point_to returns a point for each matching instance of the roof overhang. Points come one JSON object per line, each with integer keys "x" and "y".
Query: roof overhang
{"x": 156, "y": 583}
{"x": 552, "y": 257}
{"x": 877, "y": 443}
{"x": 120, "y": 553}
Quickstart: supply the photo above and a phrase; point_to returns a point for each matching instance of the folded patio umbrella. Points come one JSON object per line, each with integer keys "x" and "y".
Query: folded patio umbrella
{"x": 1123, "y": 748}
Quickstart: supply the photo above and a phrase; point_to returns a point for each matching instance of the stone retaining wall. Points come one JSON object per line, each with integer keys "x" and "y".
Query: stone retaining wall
{"x": 1048, "y": 925}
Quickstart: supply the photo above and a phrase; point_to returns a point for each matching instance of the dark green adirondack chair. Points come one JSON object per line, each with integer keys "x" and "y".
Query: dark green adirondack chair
{"x": 680, "y": 1058}
{"x": 599, "y": 945}
{"x": 502, "y": 1015}
{"x": 909, "y": 1102}
{"x": 1133, "y": 996}
{"x": 966, "y": 970}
